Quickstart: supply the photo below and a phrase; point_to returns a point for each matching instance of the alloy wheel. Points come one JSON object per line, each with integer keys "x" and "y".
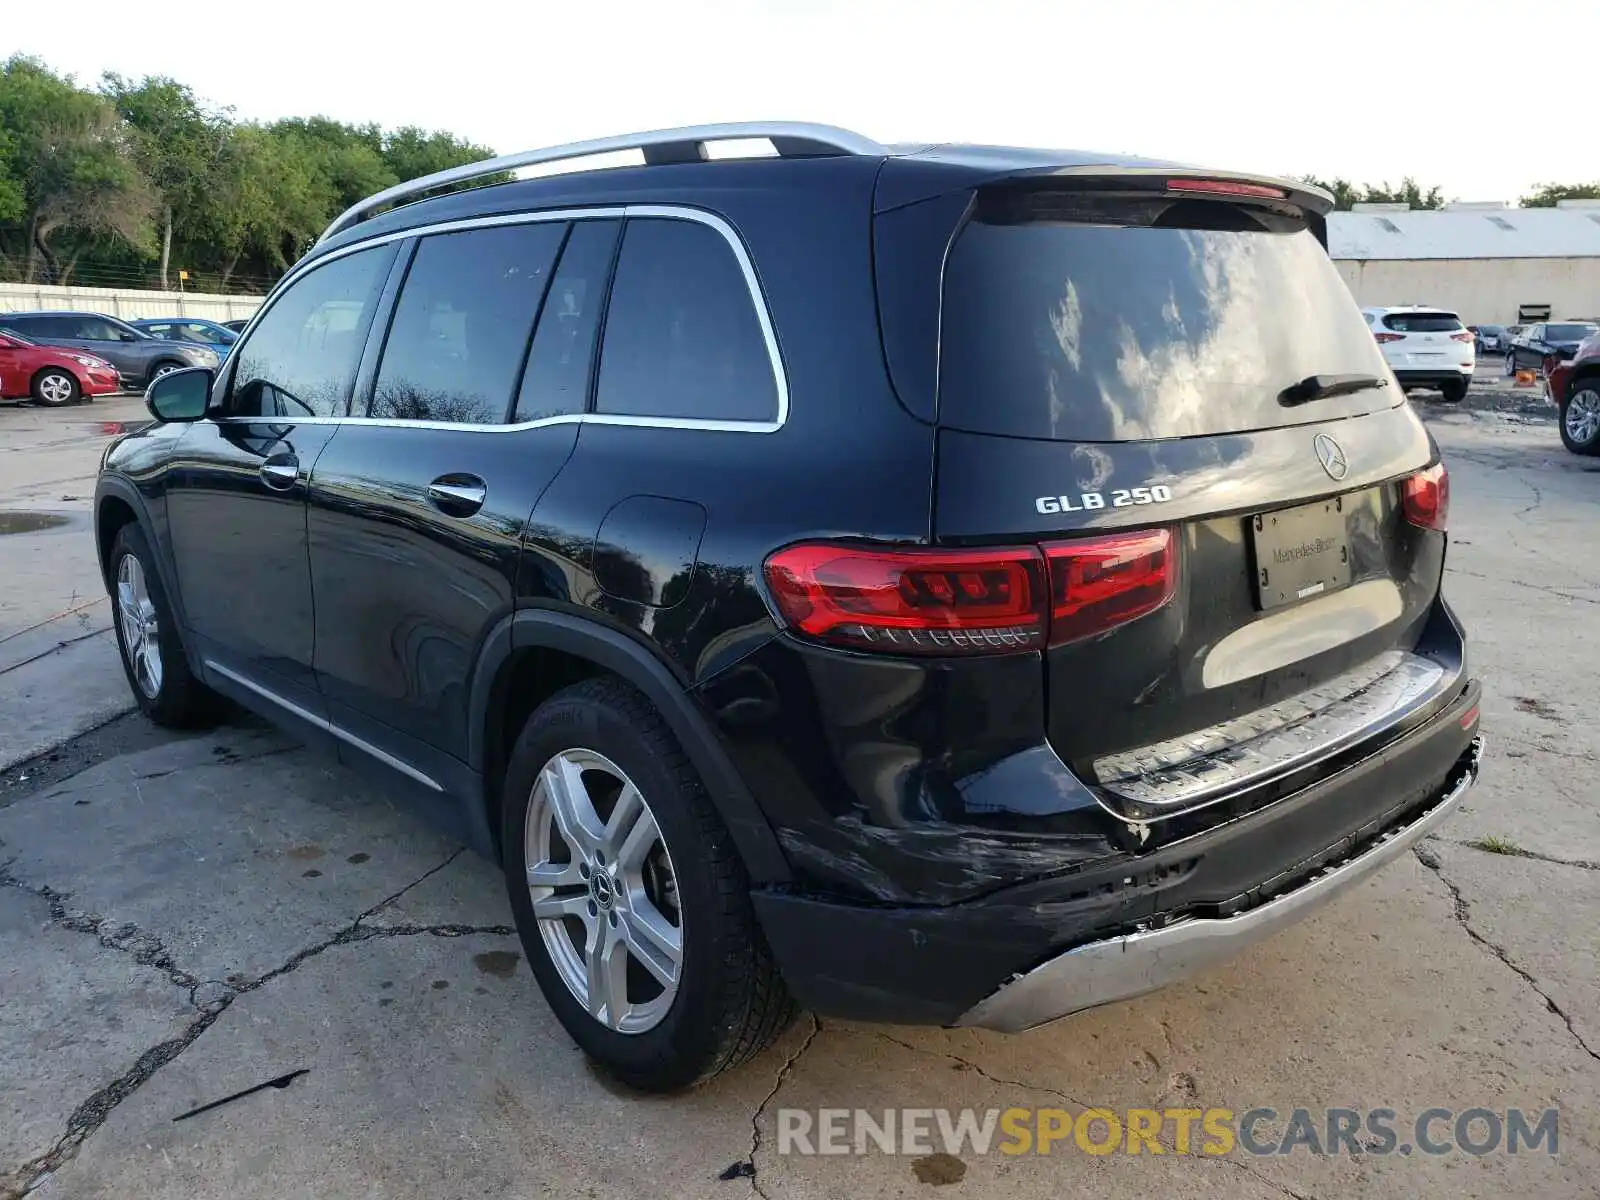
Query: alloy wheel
{"x": 1583, "y": 416}
{"x": 604, "y": 891}
{"x": 141, "y": 630}
{"x": 55, "y": 389}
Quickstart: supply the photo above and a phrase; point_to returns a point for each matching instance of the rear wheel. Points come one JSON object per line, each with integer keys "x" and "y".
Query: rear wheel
{"x": 56, "y": 387}
{"x": 1580, "y": 417}
{"x": 1454, "y": 390}
{"x": 147, "y": 636}
{"x": 631, "y": 902}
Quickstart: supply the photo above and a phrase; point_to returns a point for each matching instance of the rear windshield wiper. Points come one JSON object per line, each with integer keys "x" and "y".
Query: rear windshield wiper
{"x": 1319, "y": 387}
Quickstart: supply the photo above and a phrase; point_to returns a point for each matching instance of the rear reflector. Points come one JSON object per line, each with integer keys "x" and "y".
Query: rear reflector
{"x": 986, "y": 601}
{"x": 1426, "y": 497}
{"x": 1226, "y": 187}
{"x": 1388, "y": 337}
{"x": 1098, "y": 583}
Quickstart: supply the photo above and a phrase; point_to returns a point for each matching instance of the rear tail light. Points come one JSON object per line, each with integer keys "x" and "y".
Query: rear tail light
{"x": 1426, "y": 497}
{"x": 1388, "y": 337}
{"x": 1466, "y": 335}
{"x": 1099, "y": 583}
{"x": 970, "y": 601}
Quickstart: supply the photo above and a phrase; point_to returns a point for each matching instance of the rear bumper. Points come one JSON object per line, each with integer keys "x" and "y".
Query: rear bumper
{"x": 1124, "y": 967}
{"x": 1432, "y": 376}
{"x": 1125, "y": 923}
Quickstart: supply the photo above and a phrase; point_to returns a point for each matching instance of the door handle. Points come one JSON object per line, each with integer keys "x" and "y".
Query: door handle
{"x": 281, "y": 473}
{"x": 458, "y": 495}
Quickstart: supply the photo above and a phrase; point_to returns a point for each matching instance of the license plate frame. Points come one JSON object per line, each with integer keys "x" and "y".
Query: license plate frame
{"x": 1300, "y": 553}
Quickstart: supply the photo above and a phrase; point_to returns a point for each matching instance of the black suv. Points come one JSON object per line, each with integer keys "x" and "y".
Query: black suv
{"x": 951, "y": 585}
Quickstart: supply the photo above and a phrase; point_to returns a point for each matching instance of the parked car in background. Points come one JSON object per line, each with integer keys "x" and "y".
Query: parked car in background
{"x": 236, "y": 326}
{"x": 139, "y": 358}
{"x": 1574, "y": 385}
{"x": 1069, "y": 680}
{"x": 1491, "y": 339}
{"x": 1425, "y": 348}
{"x": 50, "y": 375}
{"x": 1547, "y": 344}
{"x": 190, "y": 329}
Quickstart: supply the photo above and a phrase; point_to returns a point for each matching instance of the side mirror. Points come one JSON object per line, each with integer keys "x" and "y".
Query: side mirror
{"x": 180, "y": 395}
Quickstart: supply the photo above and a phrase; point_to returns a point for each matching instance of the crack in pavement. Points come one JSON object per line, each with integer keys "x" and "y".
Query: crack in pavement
{"x": 1431, "y": 861}
{"x": 87, "y": 1118}
{"x": 1166, "y": 1032}
{"x": 1580, "y": 864}
{"x": 1537, "y": 587}
{"x": 748, "y": 1167}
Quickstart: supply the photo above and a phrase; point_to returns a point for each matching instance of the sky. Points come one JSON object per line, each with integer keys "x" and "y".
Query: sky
{"x": 1367, "y": 90}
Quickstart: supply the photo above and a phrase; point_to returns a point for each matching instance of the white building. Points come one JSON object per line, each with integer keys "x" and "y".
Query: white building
{"x": 1493, "y": 264}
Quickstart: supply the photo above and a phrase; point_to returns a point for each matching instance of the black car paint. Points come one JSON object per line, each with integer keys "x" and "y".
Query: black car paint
{"x": 845, "y": 778}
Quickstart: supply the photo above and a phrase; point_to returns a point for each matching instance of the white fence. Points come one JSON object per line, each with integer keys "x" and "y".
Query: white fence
{"x": 125, "y": 303}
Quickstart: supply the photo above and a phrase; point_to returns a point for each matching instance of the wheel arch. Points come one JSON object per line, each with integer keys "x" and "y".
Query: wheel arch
{"x": 532, "y": 653}
{"x": 118, "y": 503}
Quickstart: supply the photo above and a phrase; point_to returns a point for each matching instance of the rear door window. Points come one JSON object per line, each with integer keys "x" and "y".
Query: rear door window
{"x": 556, "y": 382}
{"x": 1423, "y": 322}
{"x": 682, "y": 338}
{"x": 1090, "y": 318}
{"x": 462, "y": 323}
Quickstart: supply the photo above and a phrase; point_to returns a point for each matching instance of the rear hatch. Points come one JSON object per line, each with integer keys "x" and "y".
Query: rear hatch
{"x": 1166, "y": 385}
{"x": 1416, "y": 339}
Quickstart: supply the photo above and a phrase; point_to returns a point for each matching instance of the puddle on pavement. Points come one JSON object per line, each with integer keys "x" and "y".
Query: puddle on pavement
{"x": 114, "y": 428}
{"x": 29, "y": 522}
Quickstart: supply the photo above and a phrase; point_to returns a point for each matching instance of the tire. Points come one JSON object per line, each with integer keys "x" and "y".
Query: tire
{"x": 1580, "y": 417}
{"x": 148, "y": 641}
{"x": 1454, "y": 391}
{"x": 56, "y": 387}
{"x": 723, "y": 1001}
{"x": 160, "y": 369}
{"x": 1511, "y": 365}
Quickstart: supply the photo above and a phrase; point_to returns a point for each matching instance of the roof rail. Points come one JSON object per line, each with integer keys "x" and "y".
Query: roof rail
{"x": 789, "y": 138}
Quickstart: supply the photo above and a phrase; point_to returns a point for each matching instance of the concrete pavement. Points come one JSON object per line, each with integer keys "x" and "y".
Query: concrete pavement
{"x": 185, "y": 918}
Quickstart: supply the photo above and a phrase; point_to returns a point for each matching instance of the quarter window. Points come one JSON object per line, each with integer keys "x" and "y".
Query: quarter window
{"x": 556, "y": 382}
{"x": 462, "y": 324}
{"x": 301, "y": 358}
{"x": 682, "y": 338}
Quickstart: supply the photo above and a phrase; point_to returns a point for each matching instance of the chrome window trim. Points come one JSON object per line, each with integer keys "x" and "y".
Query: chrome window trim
{"x": 677, "y": 212}
{"x": 327, "y": 726}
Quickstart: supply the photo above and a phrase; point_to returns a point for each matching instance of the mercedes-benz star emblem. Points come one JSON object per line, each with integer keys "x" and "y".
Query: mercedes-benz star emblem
{"x": 1331, "y": 455}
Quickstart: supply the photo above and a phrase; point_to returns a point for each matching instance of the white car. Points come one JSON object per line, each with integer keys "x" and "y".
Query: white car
{"x": 1425, "y": 347}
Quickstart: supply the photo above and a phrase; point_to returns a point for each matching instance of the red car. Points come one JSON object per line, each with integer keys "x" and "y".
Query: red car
{"x": 1575, "y": 387}
{"x": 52, "y": 375}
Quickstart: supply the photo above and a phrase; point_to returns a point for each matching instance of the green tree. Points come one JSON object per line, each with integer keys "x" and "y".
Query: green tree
{"x": 1347, "y": 195}
{"x": 72, "y": 163}
{"x": 178, "y": 146}
{"x": 1546, "y": 194}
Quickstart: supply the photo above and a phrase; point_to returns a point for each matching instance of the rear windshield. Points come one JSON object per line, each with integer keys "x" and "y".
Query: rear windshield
{"x": 1423, "y": 322}
{"x": 1096, "y": 318}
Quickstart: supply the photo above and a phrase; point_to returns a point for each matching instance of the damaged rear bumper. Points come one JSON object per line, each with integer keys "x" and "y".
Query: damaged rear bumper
{"x": 1124, "y": 967}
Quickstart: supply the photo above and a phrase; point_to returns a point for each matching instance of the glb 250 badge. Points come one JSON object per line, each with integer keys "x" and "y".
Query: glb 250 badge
{"x": 1121, "y": 498}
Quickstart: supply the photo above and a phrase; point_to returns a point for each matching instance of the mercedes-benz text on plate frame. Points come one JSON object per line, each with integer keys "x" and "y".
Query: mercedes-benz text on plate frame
{"x": 1121, "y": 498}
{"x": 1331, "y": 455}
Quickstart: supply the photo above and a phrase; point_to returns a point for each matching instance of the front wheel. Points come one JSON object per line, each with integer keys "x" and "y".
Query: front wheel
{"x": 56, "y": 388}
{"x": 631, "y": 902}
{"x": 160, "y": 369}
{"x": 1511, "y": 365}
{"x": 1580, "y": 418}
{"x": 147, "y": 636}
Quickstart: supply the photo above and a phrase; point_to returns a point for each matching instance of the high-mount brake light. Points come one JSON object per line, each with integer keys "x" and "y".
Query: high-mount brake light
{"x": 1227, "y": 187}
